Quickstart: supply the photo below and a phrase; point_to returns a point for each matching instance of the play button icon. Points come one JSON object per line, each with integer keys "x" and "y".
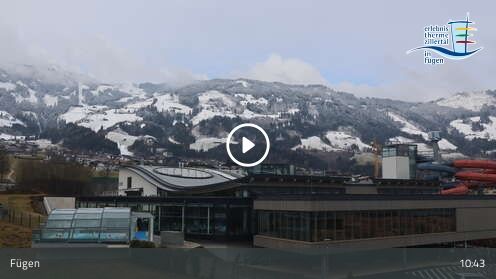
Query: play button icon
{"x": 246, "y": 145}
{"x": 253, "y": 139}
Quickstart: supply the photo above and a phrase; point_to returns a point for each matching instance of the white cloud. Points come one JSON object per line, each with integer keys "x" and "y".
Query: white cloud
{"x": 425, "y": 83}
{"x": 286, "y": 70}
{"x": 88, "y": 57}
{"x": 180, "y": 77}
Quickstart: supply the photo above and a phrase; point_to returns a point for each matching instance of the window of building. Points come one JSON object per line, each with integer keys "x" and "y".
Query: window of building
{"x": 348, "y": 225}
{"x": 129, "y": 182}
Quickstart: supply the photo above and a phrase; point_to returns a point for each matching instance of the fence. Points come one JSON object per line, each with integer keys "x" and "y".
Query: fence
{"x": 23, "y": 218}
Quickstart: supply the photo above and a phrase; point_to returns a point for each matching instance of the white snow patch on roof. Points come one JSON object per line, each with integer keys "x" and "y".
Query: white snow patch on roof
{"x": 43, "y": 143}
{"x": 8, "y": 137}
{"x": 400, "y": 139}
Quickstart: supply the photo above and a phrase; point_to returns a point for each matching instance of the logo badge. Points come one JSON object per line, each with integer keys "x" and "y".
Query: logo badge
{"x": 451, "y": 41}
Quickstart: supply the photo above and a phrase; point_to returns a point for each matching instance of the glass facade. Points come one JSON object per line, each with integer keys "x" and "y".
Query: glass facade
{"x": 348, "y": 225}
{"x": 219, "y": 218}
{"x": 206, "y": 219}
{"x": 402, "y": 150}
{"x": 88, "y": 225}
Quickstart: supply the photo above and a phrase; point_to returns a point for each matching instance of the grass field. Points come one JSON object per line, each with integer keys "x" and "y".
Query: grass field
{"x": 20, "y": 202}
{"x": 14, "y": 236}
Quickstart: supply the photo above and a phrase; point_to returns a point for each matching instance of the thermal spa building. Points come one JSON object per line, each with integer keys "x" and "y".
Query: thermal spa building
{"x": 293, "y": 211}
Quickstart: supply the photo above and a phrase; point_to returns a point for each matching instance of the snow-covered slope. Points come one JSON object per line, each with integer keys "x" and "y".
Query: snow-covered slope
{"x": 206, "y": 143}
{"x": 487, "y": 131}
{"x": 98, "y": 117}
{"x": 297, "y": 116}
{"x": 7, "y": 86}
{"x": 123, "y": 140}
{"x": 249, "y": 99}
{"x": 407, "y": 126}
{"x": 472, "y": 101}
{"x": 314, "y": 143}
{"x": 344, "y": 141}
{"x": 50, "y": 100}
{"x": 214, "y": 103}
{"x": 444, "y": 144}
{"x": 7, "y": 120}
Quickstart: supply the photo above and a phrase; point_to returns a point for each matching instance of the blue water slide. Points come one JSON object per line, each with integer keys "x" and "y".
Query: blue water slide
{"x": 436, "y": 168}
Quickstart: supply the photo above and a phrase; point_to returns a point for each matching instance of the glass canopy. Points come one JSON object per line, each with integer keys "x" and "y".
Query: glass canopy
{"x": 108, "y": 224}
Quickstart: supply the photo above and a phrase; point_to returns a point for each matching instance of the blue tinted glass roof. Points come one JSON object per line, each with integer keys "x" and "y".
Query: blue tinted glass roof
{"x": 88, "y": 225}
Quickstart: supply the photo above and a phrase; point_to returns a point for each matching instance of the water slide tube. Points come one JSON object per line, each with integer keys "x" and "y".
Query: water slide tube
{"x": 475, "y": 164}
{"x": 460, "y": 189}
{"x": 487, "y": 174}
{"x": 436, "y": 168}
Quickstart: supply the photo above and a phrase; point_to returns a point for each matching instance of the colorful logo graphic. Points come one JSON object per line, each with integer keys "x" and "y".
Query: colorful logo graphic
{"x": 456, "y": 34}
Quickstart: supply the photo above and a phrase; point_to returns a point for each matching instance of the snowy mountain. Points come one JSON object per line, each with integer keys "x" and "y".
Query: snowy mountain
{"x": 473, "y": 101}
{"x": 139, "y": 119}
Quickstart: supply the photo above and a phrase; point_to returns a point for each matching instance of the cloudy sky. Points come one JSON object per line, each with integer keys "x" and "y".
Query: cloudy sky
{"x": 355, "y": 46}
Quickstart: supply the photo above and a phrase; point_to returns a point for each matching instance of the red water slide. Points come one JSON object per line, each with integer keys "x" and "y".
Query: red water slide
{"x": 460, "y": 189}
{"x": 476, "y": 176}
{"x": 475, "y": 164}
{"x": 486, "y": 173}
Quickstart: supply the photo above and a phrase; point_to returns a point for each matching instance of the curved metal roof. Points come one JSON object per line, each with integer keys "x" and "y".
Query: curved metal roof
{"x": 183, "y": 179}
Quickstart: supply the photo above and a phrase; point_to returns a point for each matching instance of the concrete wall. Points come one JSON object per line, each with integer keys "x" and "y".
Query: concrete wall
{"x": 373, "y": 243}
{"x": 171, "y": 238}
{"x": 51, "y": 203}
{"x": 138, "y": 182}
{"x": 396, "y": 168}
{"x": 475, "y": 219}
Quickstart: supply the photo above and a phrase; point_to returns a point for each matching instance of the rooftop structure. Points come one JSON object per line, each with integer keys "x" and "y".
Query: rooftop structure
{"x": 399, "y": 161}
{"x": 154, "y": 180}
{"x": 96, "y": 225}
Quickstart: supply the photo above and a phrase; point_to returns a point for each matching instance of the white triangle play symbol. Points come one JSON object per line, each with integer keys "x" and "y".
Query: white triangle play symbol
{"x": 246, "y": 145}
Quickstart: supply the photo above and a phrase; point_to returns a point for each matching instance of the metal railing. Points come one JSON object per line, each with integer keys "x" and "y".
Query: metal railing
{"x": 23, "y": 218}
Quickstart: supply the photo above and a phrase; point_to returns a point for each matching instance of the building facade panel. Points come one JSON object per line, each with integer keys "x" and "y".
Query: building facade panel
{"x": 475, "y": 219}
{"x": 383, "y": 223}
{"x": 130, "y": 181}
